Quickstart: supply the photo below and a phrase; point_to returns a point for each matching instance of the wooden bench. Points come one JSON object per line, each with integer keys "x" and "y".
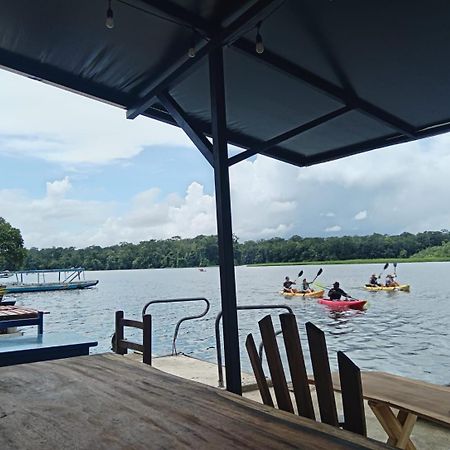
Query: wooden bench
{"x": 412, "y": 398}
{"x": 17, "y": 316}
{"x": 26, "y": 349}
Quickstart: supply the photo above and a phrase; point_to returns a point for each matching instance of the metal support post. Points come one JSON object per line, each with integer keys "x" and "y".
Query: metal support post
{"x": 224, "y": 228}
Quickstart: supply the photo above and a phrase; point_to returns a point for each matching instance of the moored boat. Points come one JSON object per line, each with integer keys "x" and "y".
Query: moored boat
{"x": 401, "y": 287}
{"x": 68, "y": 279}
{"x": 343, "y": 304}
{"x": 313, "y": 294}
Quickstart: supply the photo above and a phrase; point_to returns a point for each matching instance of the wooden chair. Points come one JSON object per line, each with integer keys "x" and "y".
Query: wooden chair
{"x": 349, "y": 372}
{"x": 121, "y": 345}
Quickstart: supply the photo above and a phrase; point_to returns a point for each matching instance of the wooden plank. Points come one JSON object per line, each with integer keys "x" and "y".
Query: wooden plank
{"x": 17, "y": 312}
{"x": 297, "y": 366}
{"x": 109, "y": 402}
{"x": 277, "y": 376}
{"x": 352, "y": 397}
{"x": 258, "y": 371}
{"x": 132, "y": 323}
{"x": 322, "y": 374}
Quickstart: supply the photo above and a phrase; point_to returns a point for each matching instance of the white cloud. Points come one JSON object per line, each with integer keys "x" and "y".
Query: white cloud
{"x": 56, "y": 220}
{"x": 361, "y": 215}
{"x": 333, "y": 229}
{"x": 41, "y": 121}
{"x": 405, "y": 188}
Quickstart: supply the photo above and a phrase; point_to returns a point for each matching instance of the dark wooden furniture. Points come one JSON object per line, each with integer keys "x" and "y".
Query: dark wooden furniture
{"x": 352, "y": 396}
{"x": 17, "y": 316}
{"x": 412, "y": 398}
{"x": 27, "y": 349}
{"x": 351, "y": 382}
{"x": 109, "y": 402}
{"x": 121, "y": 345}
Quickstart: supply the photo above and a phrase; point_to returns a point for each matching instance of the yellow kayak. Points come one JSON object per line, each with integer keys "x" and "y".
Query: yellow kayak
{"x": 401, "y": 287}
{"x": 314, "y": 294}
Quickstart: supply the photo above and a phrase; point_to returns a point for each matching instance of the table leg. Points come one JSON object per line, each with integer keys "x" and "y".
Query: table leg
{"x": 397, "y": 428}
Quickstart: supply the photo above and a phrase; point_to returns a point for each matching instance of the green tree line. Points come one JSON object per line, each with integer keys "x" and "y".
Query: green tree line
{"x": 203, "y": 251}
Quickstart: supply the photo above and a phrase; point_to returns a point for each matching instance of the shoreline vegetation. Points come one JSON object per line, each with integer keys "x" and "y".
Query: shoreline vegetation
{"x": 353, "y": 261}
{"x": 202, "y": 251}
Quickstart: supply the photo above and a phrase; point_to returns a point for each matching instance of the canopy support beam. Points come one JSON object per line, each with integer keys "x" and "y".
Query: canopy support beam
{"x": 288, "y": 135}
{"x": 224, "y": 225}
{"x": 183, "y": 122}
{"x": 182, "y": 68}
{"x": 325, "y": 87}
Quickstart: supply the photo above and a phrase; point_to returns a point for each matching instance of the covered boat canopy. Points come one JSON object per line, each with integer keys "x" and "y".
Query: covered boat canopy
{"x": 302, "y": 81}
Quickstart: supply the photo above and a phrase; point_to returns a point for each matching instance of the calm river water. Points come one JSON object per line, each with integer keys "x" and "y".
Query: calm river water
{"x": 402, "y": 333}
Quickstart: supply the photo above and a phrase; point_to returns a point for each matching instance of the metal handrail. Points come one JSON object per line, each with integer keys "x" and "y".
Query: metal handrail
{"x": 183, "y": 319}
{"x": 218, "y": 342}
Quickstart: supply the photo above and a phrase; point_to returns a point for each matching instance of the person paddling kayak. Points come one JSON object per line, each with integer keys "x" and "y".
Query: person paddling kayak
{"x": 390, "y": 281}
{"x": 287, "y": 286}
{"x": 374, "y": 280}
{"x": 306, "y": 286}
{"x": 335, "y": 293}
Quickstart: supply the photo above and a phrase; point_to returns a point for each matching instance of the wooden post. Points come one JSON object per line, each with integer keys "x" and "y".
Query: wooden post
{"x": 119, "y": 333}
{"x": 147, "y": 339}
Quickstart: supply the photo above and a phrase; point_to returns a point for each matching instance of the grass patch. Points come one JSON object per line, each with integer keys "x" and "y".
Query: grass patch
{"x": 352, "y": 261}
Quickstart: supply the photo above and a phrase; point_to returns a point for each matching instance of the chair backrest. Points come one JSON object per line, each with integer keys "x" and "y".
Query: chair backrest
{"x": 122, "y": 345}
{"x": 354, "y": 418}
{"x": 296, "y": 364}
{"x": 350, "y": 380}
{"x": 322, "y": 374}
{"x": 352, "y": 395}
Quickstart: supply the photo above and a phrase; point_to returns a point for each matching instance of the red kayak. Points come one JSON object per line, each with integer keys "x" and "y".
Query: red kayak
{"x": 343, "y": 304}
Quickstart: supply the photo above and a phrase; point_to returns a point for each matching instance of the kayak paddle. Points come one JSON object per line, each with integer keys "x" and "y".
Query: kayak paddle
{"x": 318, "y": 273}
{"x": 298, "y": 276}
{"x": 384, "y": 268}
{"x": 395, "y": 270}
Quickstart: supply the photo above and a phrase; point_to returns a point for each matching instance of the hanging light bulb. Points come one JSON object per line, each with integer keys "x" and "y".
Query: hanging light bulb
{"x": 191, "y": 51}
{"x": 109, "y": 17}
{"x": 259, "y": 42}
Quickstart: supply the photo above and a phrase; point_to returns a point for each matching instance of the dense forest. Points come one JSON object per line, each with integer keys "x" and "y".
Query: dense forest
{"x": 203, "y": 251}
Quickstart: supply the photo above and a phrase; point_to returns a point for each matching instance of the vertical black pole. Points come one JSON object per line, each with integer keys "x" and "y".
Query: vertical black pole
{"x": 224, "y": 229}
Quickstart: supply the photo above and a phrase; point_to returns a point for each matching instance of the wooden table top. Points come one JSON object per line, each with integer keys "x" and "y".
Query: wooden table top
{"x": 109, "y": 402}
{"x": 426, "y": 400}
{"x": 17, "y": 312}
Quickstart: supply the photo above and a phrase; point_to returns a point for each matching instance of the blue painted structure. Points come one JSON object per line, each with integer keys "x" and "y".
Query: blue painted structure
{"x": 39, "y": 321}
{"x": 26, "y": 349}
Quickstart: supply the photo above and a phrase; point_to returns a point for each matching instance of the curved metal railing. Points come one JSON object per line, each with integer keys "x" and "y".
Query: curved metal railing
{"x": 217, "y": 328}
{"x": 183, "y": 319}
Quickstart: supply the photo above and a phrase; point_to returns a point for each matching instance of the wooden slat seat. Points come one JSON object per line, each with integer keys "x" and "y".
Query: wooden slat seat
{"x": 350, "y": 375}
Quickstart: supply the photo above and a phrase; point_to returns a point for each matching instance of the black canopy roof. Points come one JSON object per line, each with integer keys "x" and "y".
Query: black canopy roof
{"x": 337, "y": 77}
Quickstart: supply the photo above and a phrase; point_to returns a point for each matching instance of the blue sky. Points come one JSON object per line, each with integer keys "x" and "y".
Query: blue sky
{"x": 75, "y": 172}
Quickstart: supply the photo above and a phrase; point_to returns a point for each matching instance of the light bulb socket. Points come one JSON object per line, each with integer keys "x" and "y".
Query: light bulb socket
{"x": 259, "y": 47}
{"x": 109, "y": 17}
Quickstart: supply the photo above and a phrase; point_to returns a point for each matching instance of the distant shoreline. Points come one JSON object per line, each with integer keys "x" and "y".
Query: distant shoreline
{"x": 352, "y": 261}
